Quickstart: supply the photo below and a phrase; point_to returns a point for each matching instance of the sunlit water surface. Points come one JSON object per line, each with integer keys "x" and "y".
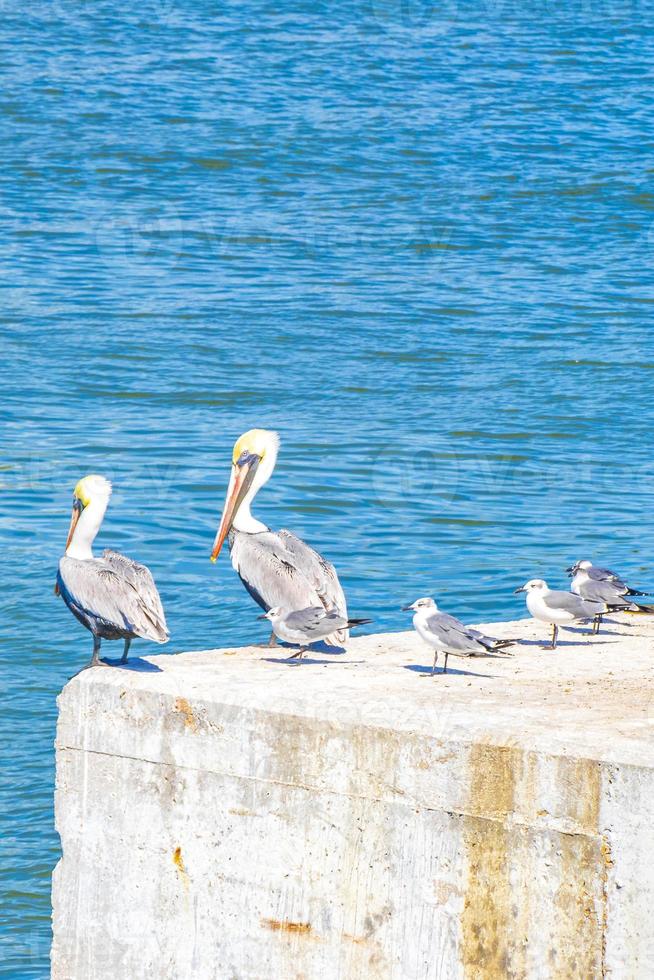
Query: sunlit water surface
{"x": 417, "y": 242}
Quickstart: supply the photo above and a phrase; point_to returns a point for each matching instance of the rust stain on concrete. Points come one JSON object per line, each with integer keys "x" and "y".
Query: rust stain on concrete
{"x": 182, "y": 705}
{"x": 503, "y": 854}
{"x": 579, "y": 902}
{"x": 283, "y": 925}
{"x": 607, "y": 856}
{"x": 487, "y": 921}
{"x": 578, "y": 781}
{"x": 178, "y": 861}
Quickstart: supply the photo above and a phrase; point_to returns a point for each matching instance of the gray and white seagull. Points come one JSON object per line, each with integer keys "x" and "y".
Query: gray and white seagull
{"x": 603, "y": 585}
{"x": 598, "y": 574}
{"x": 448, "y": 635}
{"x": 303, "y": 627}
{"x": 113, "y": 596}
{"x": 559, "y": 608}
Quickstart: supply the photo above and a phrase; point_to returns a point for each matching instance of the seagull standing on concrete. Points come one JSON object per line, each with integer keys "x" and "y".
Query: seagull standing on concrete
{"x": 592, "y": 582}
{"x": 306, "y": 626}
{"x": 448, "y": 635}
{"x": 113, "y": 596}
{"x": 597, "y": 574}
{"x": 611, "y": 590}
{"x": 559, "y": 608}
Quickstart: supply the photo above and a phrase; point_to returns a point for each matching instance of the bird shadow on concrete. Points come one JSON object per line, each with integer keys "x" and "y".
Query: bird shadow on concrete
{"x": 135, "y": 664}
{"x": 581, "y": 642}
{"x": 296, "y": 661}
{"x": 584, "y": 631}
{"x": 318, "y": 647}
{"x": 321, "y": 647}
{"x": 426, "y": 671}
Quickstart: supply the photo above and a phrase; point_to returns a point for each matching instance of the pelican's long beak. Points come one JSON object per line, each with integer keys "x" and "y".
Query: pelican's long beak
{"x": 74, "y": 517}
{"x": 239, "y": 483}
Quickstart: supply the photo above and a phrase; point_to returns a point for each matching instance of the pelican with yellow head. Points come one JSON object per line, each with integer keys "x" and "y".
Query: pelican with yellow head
{"x": 276, "y": 567}
{"x": 113, "y": 596}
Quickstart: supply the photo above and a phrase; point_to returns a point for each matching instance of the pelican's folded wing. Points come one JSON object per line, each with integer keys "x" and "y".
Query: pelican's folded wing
{"x": 103, "y": 594}
{"x": 269, "y": 573}
{"x": 140, "y": 577}
{"x": 321, "y": 572}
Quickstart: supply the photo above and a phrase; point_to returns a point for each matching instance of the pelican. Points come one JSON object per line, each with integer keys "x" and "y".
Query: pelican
{"x": 113, "y": 596}
{"x": 276, "y": 567}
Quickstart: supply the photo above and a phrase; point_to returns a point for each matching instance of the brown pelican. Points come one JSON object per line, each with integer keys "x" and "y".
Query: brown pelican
{"x": 276, "y": 567}
{"x": 447, "y": 635}
{"x": 306, "y": 626}
{"x": 113, "y": 596}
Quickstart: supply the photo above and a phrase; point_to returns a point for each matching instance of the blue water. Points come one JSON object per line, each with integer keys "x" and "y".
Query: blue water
{"x": 415, "y": 239}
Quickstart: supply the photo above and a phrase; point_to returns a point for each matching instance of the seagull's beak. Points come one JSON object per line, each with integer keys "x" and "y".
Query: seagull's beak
{"x": 74, "y": 517}
{"x": 570, "y": 570}
{"x": 521, "y": 589}
{"x": 407, "y": 608}
{"x": 263, "y": 616}
{"x": 239, "y": 483}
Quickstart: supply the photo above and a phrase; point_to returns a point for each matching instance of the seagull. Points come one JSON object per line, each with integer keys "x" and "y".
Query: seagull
{"x": 559, "y": 608}
{"x": 598, "y": 574}
{"x": 306, "y": 626}
{"x": 602, "y": 585}
{"x": 113, "y": 596}
{"x": 448, "y": 635}
{"x": 277, "y": 568}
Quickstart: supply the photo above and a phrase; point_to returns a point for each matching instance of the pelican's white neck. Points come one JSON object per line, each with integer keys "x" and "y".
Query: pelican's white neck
{"x": 245, "y": 520}
{"x": 88, "y": 525}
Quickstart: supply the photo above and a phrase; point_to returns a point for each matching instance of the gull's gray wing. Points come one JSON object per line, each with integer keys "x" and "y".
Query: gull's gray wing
{"x": 603, "y": 590}
{"x": 575, "y": 605}
{"x": 101, "y": 595}
{"x": 454, "y": 636}
{"x": 314, "y": 621}
{"x": 141, "y": 578}
{"x": 278, "y": 569}
{"x": 598, "y": 574}
{"x": 490, "y": 642}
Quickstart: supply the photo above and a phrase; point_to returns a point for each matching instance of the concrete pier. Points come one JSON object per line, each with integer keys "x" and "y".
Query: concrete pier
{"x": 224, "y": 814}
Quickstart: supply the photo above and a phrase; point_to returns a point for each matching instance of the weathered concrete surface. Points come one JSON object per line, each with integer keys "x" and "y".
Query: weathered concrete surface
{"x": 236, "y": 817}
